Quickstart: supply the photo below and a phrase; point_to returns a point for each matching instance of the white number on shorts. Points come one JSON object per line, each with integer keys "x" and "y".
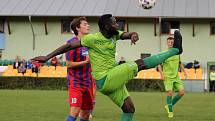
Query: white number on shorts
{"x": 74, "y": 100}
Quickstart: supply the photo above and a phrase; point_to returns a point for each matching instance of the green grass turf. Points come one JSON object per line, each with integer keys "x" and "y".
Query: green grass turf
{"x": 31, "y": 105}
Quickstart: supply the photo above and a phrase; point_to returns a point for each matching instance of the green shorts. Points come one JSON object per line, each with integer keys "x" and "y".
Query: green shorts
{"x": 114, "y": 85}
{"x": 173, "y": 84}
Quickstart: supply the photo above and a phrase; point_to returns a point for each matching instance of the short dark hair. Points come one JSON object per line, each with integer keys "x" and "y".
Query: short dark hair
{"x": 76, "y": 24}
{"x": 170, "y": 38}
{"x": 104, "y": 20}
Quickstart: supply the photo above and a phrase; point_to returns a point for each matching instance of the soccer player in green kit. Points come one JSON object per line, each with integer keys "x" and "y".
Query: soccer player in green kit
{"x": 111, "y": 77}
{"x": 172, "y": 81}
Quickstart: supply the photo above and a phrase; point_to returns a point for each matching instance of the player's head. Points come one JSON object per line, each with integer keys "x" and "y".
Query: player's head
{"x": 80, "y": 26}
{"x": 107, "y": 23}
{"x": 170, "y": 42}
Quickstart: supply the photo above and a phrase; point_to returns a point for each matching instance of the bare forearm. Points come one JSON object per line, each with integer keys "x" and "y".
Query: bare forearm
{"x": 73, "y": 65}
{"x": 127, "y": 35}
{"x": 63, "y": 49}
{"x": 160, "y": 71}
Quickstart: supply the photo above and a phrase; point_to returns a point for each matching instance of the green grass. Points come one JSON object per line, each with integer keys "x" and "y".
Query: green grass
{"x": 27, "y": 105}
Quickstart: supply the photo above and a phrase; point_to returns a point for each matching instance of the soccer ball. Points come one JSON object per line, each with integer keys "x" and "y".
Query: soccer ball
{"x": 147, "y": 4}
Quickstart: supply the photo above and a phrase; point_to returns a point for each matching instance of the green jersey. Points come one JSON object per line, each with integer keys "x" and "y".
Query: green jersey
{"x": 212, "y": 76}
{"x": 170, "y": 67}
{"x": 102, "y": 52}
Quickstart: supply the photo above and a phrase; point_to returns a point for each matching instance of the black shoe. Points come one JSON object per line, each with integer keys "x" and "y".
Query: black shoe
{"x": 178, "y": 41}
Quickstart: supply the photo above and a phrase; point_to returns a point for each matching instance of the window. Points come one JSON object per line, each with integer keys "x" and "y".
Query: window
{"x": 212, "y": 27}
{"x": 165, "y": 27}
{"x": 65, "y": 26}
{"x": 121, "y": 24}
{"x": 168, "y": 27}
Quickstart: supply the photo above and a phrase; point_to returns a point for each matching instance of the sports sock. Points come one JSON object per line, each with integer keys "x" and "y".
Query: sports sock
{"x": 169, "y": 102}
{"x": 152, "y": 61}
{"x": 127, "y": 116}
{"x": 176, "y": 98}
{"x": 70, "y": 118}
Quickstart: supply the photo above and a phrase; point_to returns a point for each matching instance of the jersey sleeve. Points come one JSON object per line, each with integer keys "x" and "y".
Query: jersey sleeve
{"x": 119, "y": 35}
{"x": 87, "y": 40}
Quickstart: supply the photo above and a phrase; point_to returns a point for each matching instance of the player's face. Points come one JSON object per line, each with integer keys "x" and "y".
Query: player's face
{"x": 114, "y": 26}
{"x": 170, "y": 43}
{"x": 84, "y": 27}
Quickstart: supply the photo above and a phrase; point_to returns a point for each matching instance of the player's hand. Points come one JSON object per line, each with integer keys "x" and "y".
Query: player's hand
{"x": 40, "y": 59}
{"x": 134, "y": 38}
{"x": 87, "y": 59}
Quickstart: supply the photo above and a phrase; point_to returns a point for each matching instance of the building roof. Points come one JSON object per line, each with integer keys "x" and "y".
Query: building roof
{"x": 120, "y": 8}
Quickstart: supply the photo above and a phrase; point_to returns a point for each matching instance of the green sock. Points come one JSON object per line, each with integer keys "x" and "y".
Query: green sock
{"x": 127, "y": 116}
{"x": 175, "y": 99}
{"x": 169, "y": 102}
{"x": 157, "y": 59}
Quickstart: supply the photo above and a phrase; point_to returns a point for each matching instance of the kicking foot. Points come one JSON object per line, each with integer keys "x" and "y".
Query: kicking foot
{"x": 170, "y": 114}
{"x": 178, "y": 41}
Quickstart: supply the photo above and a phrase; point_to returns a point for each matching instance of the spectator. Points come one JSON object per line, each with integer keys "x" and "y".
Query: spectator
{"x": 212, "y": 79}
{"x": 196, "y": 65}
{"x": 36, "y": 67}
{"x": 29, "y": 65}
{"x": 22, "y": 69}
{"x": 24, "y": 63}
{"x": 54, "y": 62}
{"x": 17, "y": 63}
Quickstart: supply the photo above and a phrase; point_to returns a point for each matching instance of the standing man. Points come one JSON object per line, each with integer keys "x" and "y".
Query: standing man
{"x": 212, "y": 78}
{"x": 111, "y": 77}
{"x": 80, "y": 81}
{"x": 172, "y": 81}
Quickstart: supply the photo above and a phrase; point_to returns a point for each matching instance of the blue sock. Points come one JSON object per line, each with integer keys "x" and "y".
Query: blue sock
{"x": 70, "y": 118}
{"x": 83, "y": 120}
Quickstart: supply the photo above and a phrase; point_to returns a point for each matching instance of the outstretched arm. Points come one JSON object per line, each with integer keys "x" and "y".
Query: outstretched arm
{"x": 161, "y": 72}
{"x": 183, "y": 70}
{"x": 64, "y": 48}
{"x": 130, "y": 35}
{"x": 72, "y": 64}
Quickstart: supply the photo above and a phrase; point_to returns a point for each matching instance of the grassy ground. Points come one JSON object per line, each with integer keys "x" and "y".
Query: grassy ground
{"x": 22, "y": 105}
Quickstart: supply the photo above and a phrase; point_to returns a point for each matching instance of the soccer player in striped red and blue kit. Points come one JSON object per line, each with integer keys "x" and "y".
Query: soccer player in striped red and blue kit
{"x": 80, "y": 81}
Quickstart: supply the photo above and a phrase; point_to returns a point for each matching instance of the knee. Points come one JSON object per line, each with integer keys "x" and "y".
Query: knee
{"x": 128, "y": 106}
{"x": 74, "y": 111}
{"x": 130, "y": 109}
{"x": 169, "y": 93}
{"x": 85, "y": 115}
{"x": 181, "y": 93}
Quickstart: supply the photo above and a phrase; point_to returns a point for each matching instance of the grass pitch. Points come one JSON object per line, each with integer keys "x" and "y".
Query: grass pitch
{"x": 34, "y": 105}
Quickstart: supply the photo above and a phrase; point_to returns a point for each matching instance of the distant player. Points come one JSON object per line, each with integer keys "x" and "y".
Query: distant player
{"x": 172, "y": 81}
{"x": 111, "y": 77}
{"x": 80, "y": 81}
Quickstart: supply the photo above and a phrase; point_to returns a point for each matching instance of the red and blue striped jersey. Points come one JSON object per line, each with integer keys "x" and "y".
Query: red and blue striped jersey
{"x": 79, "y": 77}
